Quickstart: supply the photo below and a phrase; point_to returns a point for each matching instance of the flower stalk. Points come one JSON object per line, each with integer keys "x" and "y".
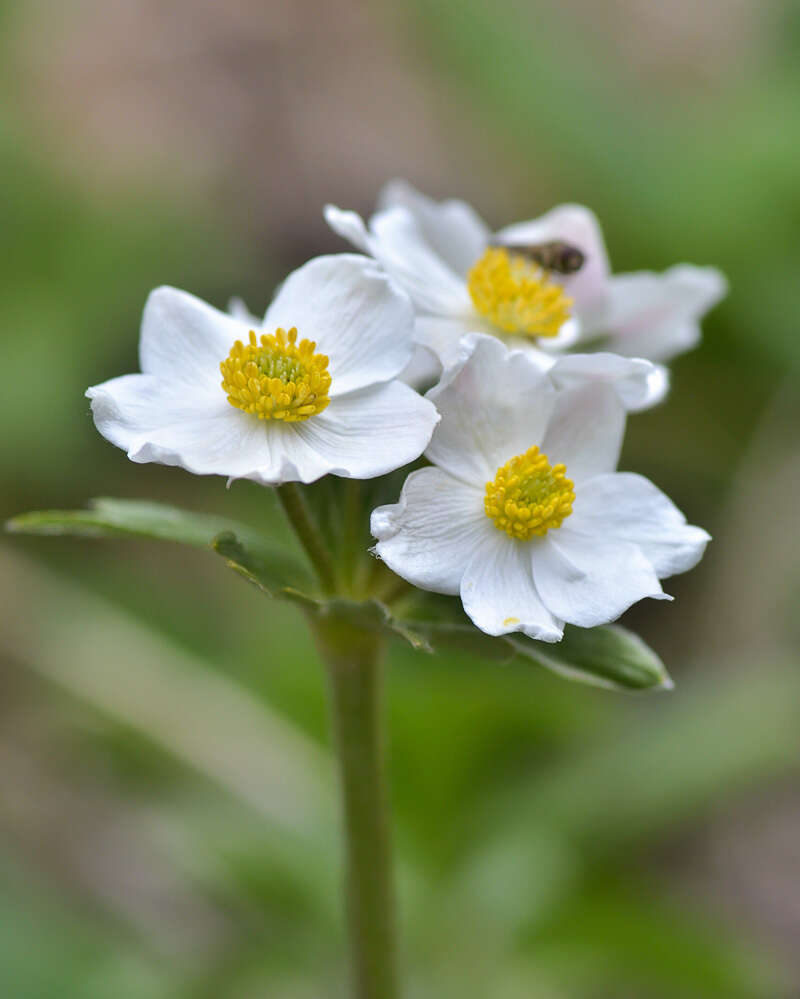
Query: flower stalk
{"x": 305, "y": 527}
{"x": 353, "y": 660}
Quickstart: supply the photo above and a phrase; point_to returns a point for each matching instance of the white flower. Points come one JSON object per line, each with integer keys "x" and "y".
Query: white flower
{"x": 523, "y": 513}
{"x": 312, "y": 391}
{"x": 439, "y": 251}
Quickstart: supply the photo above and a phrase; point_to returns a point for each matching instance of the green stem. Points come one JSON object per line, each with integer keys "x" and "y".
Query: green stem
{"x": 300, "y": 517}
{"x": 353, "y": 660}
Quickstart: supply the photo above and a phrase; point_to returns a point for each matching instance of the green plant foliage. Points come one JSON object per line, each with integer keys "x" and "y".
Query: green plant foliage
{"x": 607, "y": 656}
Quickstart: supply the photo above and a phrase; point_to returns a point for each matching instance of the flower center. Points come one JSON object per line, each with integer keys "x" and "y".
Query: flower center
{"x": 529, "y": 496}
{"x": 514, "y": 293}
{"x": 275, "y": 378}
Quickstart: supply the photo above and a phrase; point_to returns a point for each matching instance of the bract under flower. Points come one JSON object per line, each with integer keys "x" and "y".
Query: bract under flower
{"x": 523, "y": 513}
{"x": 313, "y": 391}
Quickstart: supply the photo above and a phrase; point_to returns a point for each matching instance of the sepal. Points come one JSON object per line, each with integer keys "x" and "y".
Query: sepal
{"x": 608, "y": 656}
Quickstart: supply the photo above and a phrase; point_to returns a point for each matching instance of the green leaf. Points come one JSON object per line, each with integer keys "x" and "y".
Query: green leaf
{"x": 126, "y": 518}
{"x": 609, "y": 656}
{"x": 371, "y": 614}
{"x": 115, "y": 518}
{"x": 274, "y": 572}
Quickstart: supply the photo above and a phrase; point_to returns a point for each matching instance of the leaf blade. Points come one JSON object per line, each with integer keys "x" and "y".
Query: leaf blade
{"x": 119, "y": 518}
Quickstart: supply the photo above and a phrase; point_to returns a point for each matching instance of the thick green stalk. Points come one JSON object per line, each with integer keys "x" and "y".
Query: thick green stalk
{"x": 352, "y": 657}
{"x": 300, "y": 517}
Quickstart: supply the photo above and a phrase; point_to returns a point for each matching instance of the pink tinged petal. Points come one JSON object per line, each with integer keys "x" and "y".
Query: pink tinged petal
{"x": 589, "y": 579}
{"x": 585, "y": 431}
{"x": 629, "y": 508}
{"x": 579, "y": 227}
{"x": 494, "y": 403}
{"x": 657, "y": 316}
{"x": 453, "y": 228}
{"x": 638, "y": 383}
{"x": 428, "y": 537}
{"x": 499, "y": 594}
{"x": 369, "y": 433}
{"x": 354, "y": 313}
{"x": 184, "y": 340}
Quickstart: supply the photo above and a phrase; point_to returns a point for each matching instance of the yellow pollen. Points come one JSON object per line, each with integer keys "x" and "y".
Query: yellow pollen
{"x": 528, "y": 496}
{"x": 276, "y": 378}
{"x": 517, "y": 295}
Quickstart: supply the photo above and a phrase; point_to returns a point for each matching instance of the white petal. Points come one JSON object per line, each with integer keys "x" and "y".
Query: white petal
{"x": 398, "y": 244}
{"x": 570, "y": 333}
{"x": 202, "y": 433}
{"x": 590, "y": 580}
{"x": 658, "y": 315}
{"x": 356, "y": 315}
{"x": 359, "y": 435}
{"x": 428, "y": 537}
{"x": 350, "y": 226}
{"x": 128, "y": 408}
{"x": 630, "y": 508}
{"x": 494, "y": 403}
{"x": 579, "y": 227}
{"x": 657, "y": 389}
{"x": 237, "y": 307}
{"x": 585, "y": 431}
{"x": 183, "y": 339}
{"x": 372, "y": 432}
{"x": 453, "y": 228}
{"x": 499, "y": 594}
{"x": 638, "y": 383}
{"x": 423, "y": 370}
{"x": 396, "y": 241}
{"x": 443, "y": 336}
{"x": 528, "y": 346}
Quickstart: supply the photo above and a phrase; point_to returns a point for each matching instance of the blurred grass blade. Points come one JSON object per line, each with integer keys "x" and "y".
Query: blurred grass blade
{"x": 126, "y": 670}
{"x": 117, "y": 518}
{"x": 675, "y": 761}
{"x": 609, "y": 656}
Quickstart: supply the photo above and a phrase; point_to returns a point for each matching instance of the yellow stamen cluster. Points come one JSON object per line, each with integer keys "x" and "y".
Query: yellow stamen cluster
{"x": 529, "y": 496}
{"x": 516, "y": 295}
{"x": 276, "y": 378}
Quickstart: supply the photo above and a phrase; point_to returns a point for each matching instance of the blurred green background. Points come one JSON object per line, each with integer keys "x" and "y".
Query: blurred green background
{"x": 167, "y": 822}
